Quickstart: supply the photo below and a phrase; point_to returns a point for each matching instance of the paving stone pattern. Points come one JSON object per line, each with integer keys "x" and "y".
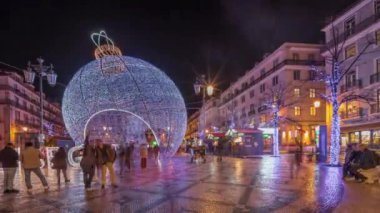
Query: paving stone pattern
{"x": 269, "y": 184}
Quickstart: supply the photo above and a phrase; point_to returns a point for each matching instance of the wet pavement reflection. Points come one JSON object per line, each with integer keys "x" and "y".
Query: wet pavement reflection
{"x": 270, "y": 184}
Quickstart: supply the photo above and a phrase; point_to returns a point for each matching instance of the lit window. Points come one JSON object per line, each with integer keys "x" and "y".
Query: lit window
{"x": 350, "y": 51}
{"x": 313, "y": 111}
{"x": 312, "y": 93}
{"x": 262, "y": 119}
{"x": 297, "y": 92}
{"x": 377, "y": 35}
{"x": 297, "y": 111}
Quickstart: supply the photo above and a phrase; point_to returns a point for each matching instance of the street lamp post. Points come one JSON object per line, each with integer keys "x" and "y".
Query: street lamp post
{"x": 42, "y": 71}
{"x": 201, "y": 85}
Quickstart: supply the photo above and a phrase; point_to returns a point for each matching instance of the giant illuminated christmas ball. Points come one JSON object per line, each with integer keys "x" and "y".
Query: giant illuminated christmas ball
{"x": 115, "y": 85}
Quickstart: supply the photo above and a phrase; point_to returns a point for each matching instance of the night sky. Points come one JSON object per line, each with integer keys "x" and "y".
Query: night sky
{"x": 220, "y": 38}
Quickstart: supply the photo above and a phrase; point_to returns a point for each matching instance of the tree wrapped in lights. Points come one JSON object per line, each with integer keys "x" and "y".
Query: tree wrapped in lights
{"x": 116, "y": 83}
{"x": 333, "y": 79}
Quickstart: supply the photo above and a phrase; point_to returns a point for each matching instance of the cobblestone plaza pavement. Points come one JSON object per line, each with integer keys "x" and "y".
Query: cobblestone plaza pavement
{"x": 234, "y": 185}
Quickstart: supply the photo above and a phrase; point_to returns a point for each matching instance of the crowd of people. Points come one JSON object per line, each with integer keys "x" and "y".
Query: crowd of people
{"x": 359, "y": 159}
{"x": 98, "y": 158}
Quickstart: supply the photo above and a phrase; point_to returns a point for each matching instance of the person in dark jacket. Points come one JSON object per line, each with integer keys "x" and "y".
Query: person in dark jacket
{"x": 367, "y": 158}
{"x": 354, "y": 163}
{"x": 106, "y": 156}
{"x": 60, "y": 164}
{"x": 88, "y": 163}
{"x": 8, "y": 159}
{"x": 346, "y": 165}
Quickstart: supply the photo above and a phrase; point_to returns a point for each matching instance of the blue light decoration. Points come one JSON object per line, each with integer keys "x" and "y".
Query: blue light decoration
{"x": 114, "y": 83}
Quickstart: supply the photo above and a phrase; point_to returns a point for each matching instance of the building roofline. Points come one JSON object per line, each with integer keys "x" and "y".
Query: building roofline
{"x": 264, "y": 60}
{"x": 341, "y": 15}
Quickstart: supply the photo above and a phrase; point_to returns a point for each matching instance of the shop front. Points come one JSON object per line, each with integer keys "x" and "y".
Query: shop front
{"x": 369, "y": 135}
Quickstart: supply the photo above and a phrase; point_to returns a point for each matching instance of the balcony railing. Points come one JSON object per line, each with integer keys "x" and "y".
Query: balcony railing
{"x": 357, "y": 28}
{"x": 351, "y": 85}
{"x": 22, "y": 107}
{"x": 347, "y": 115}
{"x": 273, "y": 70}
{"x": 374, "y": 78}
{"x": 23, "y": 95}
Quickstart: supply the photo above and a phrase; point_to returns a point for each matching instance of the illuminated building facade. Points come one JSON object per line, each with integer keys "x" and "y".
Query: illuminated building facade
{"x": 355, "y": 27}
{"x": 290, "y": 66}
{"x": 19, "y": 111}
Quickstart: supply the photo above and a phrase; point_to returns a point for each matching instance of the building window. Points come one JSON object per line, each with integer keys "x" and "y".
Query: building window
{"x": 297, "y": 92}
{"x": 378, "y": 99}
{"x": 262, "y": 88}
{"x": 296, "y": 75}
{"x": 252, "y": 93}
{"x": 235, "y": 103}
{"x": 275, "y": 80}
{"x": 313, "y": 111}
{"x": 378, "y": 65}
{"x": 377, "y": 37}
{"x": 365, "y": 137}
{"x": 243, "y": 98}
{"x": 312, "y": 93}
{"x": 252, "y": 79}
{"x": 262, "y": 119}
{"x": 17, "y": 115}
{"x": 296, "y": 56}
{"x": 262, "y": 72}
{"x": 251, "y": 107}
{"x": 350, "y": 51}
{"x": 311, "y": 57}
{"x": 376, "y": 136}
{"x": 297, "y": 111}
{"x": 351, "y": 79}
{"x": 349, "y": 26}
{"x": 377, "y": 8}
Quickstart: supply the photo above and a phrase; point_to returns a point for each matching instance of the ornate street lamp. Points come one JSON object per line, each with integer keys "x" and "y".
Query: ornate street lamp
{"x": 42, "y": 71}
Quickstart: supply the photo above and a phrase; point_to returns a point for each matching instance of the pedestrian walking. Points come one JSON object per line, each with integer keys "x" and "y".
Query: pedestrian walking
{"x": 30, "y": 159}
{"x": 106, "y": 156}
{"x": 8, "y": 160}
{"x": 128, "y": 153}
{"x": 60, "y": 164}
{"x": 143, "y": 155}
{"x": 121, "y": 155}
{"x": 88, "y": 164}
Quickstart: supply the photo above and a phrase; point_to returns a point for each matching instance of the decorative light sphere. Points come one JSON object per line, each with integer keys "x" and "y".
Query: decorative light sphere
{"x": 140, "y": 90}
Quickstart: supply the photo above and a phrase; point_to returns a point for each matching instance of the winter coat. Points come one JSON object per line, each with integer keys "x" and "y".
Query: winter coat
{"x": 368, "y": 160}
{"x": 105, "y": 155}
{"x": 59, "y": 160}
{"x": 88, "y": 160}
{"x": 30, "y": 158}
{"x": 355, "y": 157}
{"x": 8, "y": 157}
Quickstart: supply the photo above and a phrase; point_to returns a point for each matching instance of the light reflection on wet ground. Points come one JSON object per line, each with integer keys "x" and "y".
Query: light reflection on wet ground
{"x": 270, "y": 184}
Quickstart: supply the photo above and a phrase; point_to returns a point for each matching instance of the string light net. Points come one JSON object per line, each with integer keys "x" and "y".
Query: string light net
{"x": 139, "y": 90}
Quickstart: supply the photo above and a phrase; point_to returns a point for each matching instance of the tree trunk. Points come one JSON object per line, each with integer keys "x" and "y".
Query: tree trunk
{"x": 335, "y": 130}
{"x": 276, "y": 151}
